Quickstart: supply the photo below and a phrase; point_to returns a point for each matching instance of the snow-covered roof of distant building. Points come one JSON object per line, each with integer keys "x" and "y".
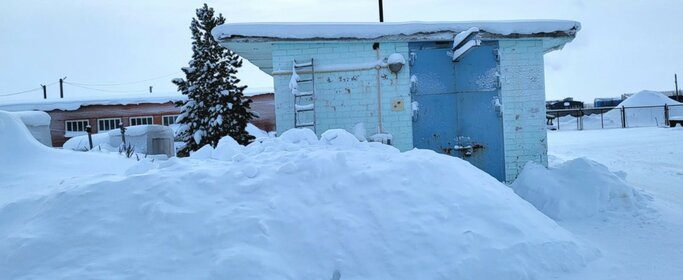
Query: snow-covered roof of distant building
{"x": 377, "y": 30}
{"x": 253, "y": 41}
{"x": 71, "y": 104}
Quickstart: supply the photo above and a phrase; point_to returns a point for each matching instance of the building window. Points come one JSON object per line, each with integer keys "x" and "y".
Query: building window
{"x": 76, "y": 125}
{"x": 168, "y": 120}
{"x": 141, "y": 120}
{"x": 108, "y": 124}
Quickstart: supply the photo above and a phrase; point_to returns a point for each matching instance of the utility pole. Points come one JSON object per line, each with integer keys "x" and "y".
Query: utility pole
{"x": 61, "y": 87}
{"x": 44, "y": 91}
{"x": 150, "y": 89}
{"x": 676, "y": 82}
{"x": 381, "y": 12}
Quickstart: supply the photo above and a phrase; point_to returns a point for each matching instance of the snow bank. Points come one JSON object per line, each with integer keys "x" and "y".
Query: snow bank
{"x": 81, "y": 143}
{"x": 33, "y": 118}
{"x": 16, "y": 138}
{"x": 28, "y": 168}
{"x": 648, "y": 98}
{"x": 38, "y": 124}
{"x": 575, "y": 189}
{"x": 292, "y": 207}
{"x": 256, "y": 132}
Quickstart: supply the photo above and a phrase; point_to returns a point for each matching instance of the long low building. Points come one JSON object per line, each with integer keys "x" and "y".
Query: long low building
{"x": 70, "y": 117}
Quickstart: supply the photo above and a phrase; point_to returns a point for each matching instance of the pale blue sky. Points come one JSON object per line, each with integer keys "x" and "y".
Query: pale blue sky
{"x": 624, "y": 46}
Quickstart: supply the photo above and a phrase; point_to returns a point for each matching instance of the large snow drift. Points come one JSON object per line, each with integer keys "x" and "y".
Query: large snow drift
{"x": 293, "y": 207}
{"x": 577, "y": 188}
{"x": 38, "y": 124}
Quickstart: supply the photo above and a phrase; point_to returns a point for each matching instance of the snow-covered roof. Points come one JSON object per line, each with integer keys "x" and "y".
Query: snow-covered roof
{"x": 393, "y": 30}
{"x": 76, "y": 103}
{"x": 253, "y": 41}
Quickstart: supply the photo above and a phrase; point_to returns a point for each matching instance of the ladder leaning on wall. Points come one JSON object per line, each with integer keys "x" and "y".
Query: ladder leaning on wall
{"x": 304, "y": 98}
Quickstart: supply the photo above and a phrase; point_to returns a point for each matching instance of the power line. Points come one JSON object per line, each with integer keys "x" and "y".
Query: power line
{"x": 103, "y": 90}
{"x": 21, "y": 92}
{"x": 25, "y": 91}
{"x": 90, "y": 85}
{"x": 125, "y": 83}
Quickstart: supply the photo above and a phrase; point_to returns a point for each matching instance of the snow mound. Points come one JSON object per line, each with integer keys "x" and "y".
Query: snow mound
{"x": 277, "y": 212}
{"x": 81, "y": 143}
{"x": 256, "y": 132}
{"x": 226, "y": 149}
{"x": 575, "y": 189}
{"x": 28, "y": 167}
{"x": 15, "y": 137}
{"x": 33, "y": 118}
{"x": 648, "y": 98}
{"x": 203, "y": 152}
{"x": 38, "y": 124}
{"x": 635, "y": 117}
{"x": 299, "y": 135}
{"x": 339, "y": 138}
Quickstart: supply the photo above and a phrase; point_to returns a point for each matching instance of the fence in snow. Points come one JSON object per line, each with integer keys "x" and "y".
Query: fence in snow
{"x": 615, "y": 117}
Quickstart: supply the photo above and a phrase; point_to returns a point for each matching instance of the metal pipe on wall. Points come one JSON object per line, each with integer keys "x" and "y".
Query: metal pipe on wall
{"x": 379, "y": 90}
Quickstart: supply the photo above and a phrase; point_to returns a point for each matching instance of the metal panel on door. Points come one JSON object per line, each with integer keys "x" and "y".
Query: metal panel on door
{"x": 480, "y": 126}
{"x": 480, "y": 123}
{"x": 458, "y": 105}
{"x": 434, "y": 124}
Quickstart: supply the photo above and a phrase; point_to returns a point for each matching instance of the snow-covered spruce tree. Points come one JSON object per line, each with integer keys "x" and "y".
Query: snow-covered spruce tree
{"x": 215, "y": 105}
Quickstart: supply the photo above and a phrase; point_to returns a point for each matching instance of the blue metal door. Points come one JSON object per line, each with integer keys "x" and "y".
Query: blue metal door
{"x": 459, "y": 112}
{"x": 433, "y": 80}
{"x": 480, "y": 123}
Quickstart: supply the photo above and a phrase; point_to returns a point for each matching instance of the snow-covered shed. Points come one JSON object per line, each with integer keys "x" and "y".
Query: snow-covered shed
{"x": 469, "y": 89}
{"x": 146, "y": 139}
{"x": 38, "y": 123}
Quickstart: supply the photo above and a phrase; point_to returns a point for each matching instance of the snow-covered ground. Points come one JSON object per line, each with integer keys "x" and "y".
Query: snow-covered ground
{"x": 291, "y": 207}
{"x": 299, "y": 207}
{"x": 647, "y": 244}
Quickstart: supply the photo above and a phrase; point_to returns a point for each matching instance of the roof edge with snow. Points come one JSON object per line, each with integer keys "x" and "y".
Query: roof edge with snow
{"x": 403, "y": 31}
{"x": 75, "y": 104}
{"x": 253, "y": 41}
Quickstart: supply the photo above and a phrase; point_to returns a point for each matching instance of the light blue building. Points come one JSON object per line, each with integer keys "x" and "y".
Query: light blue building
{"x": 469, "y": 89}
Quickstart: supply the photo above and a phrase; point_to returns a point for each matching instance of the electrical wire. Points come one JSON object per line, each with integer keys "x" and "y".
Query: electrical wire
{"x": 103, "y": 90}
{"x": 125, "y": 83}
{"x": 25, "y": 91}
{"x": 21, "y": 92}
{"x": 90, "y": 85}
